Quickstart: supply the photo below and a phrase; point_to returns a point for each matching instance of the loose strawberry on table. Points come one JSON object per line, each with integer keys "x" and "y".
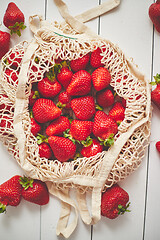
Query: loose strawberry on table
{"x": 155, "y": 94}
{"x": 4, "y": 43}
{"x": 14, "y": 19}
{"x": 154, "y": 14}
{"x": 158, "y": 146}
{"x": 10, "y": 193}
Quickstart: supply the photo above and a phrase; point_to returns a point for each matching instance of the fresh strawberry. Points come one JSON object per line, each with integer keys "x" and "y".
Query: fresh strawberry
{"x": 154, "y": 14}
{"x": 80, "y": 131}
{"x": 63, "y": 148}
{"x": 64, "y": 77}
{"x": 114, "y": 202}
{"x": 96, "y": 58}
{"x": 104, "y": 128}
{"x": 49, "y": 88}
{"x": 124, "y": 102}
{"x": 14, "y": 59}
{"x": 58, "y": 126}
{"x": 11, "y": 76}
{"x": 117, "y": 112}
{"x": 44, "y": 148}
{"x": 101, "y": 78}
{"x": 4, "y": 43}
{"x": 10, "y": 193}
{"x": 83, "y": 107}
{"x": 34, "y": 191}
{"x": 105, "y": 98}
{"x": 92, "y": 149}
{"x": 35, "y": 127}
{"x": 158, "y": 146}
{"x": 80, "y": 63}
{"x": 33, "y": 97}
{"x": 44, "y": 110}
{"x": 14, "y": 19}
{"x": 155, "y": 94}
{"x": 80, "y": 84}
{"x": 6, "y": 123}
{"x": 64, "y": 100}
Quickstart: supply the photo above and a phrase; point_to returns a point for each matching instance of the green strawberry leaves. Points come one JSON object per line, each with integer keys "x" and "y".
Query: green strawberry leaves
{"x": 26, "y": 182}
{"x": 17, "y": 27}
{"x": 2, "y": 208}
{"x": 157, "y": 80}
{"x": 108, "y": 142}
{"x": 122, "y": 210}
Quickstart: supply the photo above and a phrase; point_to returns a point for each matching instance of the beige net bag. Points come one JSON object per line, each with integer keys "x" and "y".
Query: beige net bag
{"x": 71, "y": 40}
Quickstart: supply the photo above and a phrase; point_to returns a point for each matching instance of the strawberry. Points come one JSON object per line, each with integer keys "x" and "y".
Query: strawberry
{"x": 49, "y": 88}
{"x": 34, "y": 191}
{"x": 35, "y": 127}
{"x": 117, "y": 112}
{"x": 80, "y": 63}
{"x": 33, "y": 97}
{"x": 4, "y": 43}
{"x": 58, "y": 126}
{"x": 114, "y": 202}
{"x": 124, "y": 102}
{"x": 158, "y": 146}
{"x": 83, "y": 107}
{"x": 96, "y": 58}
{"x": 11, "y": 76}
{"x": 91, "y": 150}
{"x": 3, "y": 106}
{"x": 14, "y": 19}
{"x": 14, "y": 59}
{"x": 80, "y": 131}
{"x": 104, "y": 128}
{"x": 63, "y": 148}
{"x": 44, "y": 110}
{"x": 154, "y": 14}
{"x": 80, "y": 84}
{"x": 64, "y": 100}
{"x": 101, "y": 78}
{"x": 10, "y": 193}
{"x": 155, "y": 94}
{"x": 105, "y": 98}
{"x": 64, "y": 76}
{"x": 6, "y": 123}
{"x": 44, "y": 148}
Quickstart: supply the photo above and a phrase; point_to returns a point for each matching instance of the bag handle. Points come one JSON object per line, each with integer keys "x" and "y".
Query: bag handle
{"x": 77, "y": 22}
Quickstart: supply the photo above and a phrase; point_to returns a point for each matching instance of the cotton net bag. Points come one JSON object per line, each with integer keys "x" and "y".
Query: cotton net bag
{"x": 71, "y": 40}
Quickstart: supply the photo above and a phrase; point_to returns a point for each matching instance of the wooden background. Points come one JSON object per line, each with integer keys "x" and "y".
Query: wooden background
{"x": 129, "y": 27}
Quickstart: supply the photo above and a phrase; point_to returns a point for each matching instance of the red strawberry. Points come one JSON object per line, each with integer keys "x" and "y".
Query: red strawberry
{"x": 154, "y": 14}
{"x": 105, "y": 98}
{"x": 3, "y": 106}
{"x": 92, "y": 149}
{"x": 6, "y": 123}
{"x": 63, "y": 148}
{"x": 10, "y": 193}
{"x": 101, "y": 78}
{"x": 45, "y": 150}
{"x": 11, "y": 76}
{"x": 124, "y": 102}
{"x": 158, "y": 146}
{"x": 44, "y": 110}
{"x": 49, "y": 88}
{"x": 64, "y": 76}
{"x": 14, "y": 59}
{"x": 4, "y": 43}
{"x": 14, "y": 19}
{"x": 114, "y": 202}
{"x": 34, "y": 191}
{"x": 96, "y": 58}
{"x": 58, "y": 126}
{"x": 35, "y": 127}
{"x": 117, "y": 112}
{"x": 33, "y": 97}
{"x": 64, "y": 100}
{"x": 83, "y": 107}
{"x": 104, "y": 127}
{"x": 155, "y": 94}
{"x": 80, "y": 63}
{"x": 80, "y": 84}
{"x": 80, "y": 130}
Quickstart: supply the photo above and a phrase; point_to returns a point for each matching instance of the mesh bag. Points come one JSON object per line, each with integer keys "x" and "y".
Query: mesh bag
{"x": 71, "y": 40}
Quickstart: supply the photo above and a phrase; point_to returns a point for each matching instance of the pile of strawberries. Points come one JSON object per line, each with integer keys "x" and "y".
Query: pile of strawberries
{"x": 68, "y": 109}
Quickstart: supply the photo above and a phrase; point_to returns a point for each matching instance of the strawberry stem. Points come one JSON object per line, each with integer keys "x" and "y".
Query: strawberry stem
{"x": 108, "y": 142}
{"x": 41, "y": 138}
{"x": 123, "y": 209}
{"x": 17, "y": 27}
{"x": 2, "y": 208}
{"x": 87, "y": 142}
{"x": 26, "y": 182}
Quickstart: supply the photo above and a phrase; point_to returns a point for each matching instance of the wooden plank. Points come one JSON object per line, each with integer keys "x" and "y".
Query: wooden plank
{"x": 153, "y": 191}
{"x": 129, "y": 27}
{"x": 23, "y": 221}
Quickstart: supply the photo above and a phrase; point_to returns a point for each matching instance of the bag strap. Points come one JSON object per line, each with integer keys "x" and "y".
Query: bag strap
{"x": 77, "y": 22}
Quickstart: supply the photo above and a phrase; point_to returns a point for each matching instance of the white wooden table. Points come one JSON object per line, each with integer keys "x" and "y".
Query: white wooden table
{"x": 130, "y": 27}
